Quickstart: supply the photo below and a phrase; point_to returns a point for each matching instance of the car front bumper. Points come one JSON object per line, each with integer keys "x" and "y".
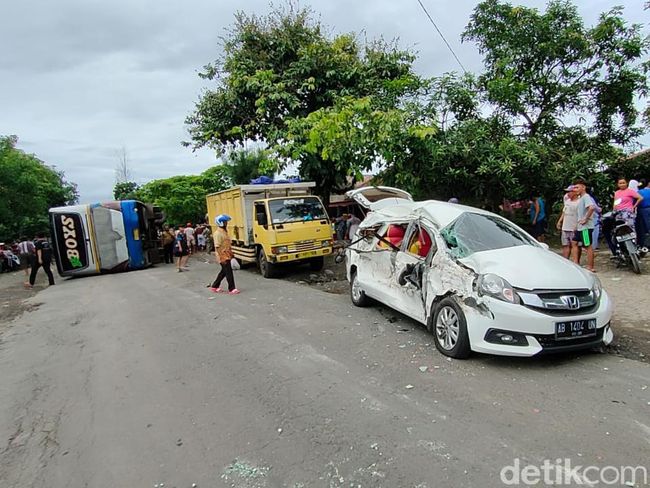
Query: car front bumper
{"x": 537, "y": 327}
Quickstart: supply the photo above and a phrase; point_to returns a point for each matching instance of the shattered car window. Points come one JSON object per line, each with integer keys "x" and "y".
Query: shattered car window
{"x": 296, "y": 209}
{"x": 472, "y": 232}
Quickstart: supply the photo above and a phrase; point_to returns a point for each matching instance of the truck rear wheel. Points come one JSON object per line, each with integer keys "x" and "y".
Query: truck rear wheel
{"x": 316, "y": 264}
{"x": 266, "y": 269}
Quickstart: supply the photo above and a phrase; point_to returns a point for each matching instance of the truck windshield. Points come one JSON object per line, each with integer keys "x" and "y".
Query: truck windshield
{"x": 296, "y": 209}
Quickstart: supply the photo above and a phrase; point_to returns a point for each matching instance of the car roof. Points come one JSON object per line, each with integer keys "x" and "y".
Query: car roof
{"x": 439, "y": 213}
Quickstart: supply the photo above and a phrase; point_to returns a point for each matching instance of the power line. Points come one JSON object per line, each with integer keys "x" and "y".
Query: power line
{"x": 442, "y": 36}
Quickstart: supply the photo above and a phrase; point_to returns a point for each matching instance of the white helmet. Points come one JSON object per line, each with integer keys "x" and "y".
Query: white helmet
{"x": 221, "y": 220}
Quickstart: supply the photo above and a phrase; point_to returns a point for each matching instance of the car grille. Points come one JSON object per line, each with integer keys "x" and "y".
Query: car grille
{"x": 549, "y": 341}
{"x": 303, "y": 246}
{"x": 560, "y": 302}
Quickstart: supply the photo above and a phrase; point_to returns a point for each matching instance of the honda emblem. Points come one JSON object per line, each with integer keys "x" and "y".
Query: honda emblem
{"x": 572, "y": 302}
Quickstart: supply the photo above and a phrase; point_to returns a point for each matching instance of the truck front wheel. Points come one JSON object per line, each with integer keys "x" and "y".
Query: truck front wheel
{"x": 316, "y": 264}
{"x": 266, "y": 269}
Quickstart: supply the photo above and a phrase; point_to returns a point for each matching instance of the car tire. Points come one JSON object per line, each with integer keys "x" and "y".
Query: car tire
{"x": 449, "y": 329}
{"x": 316, "y": 264}
{"x": 266, "y": 269}
{"x": 357, "y": 295}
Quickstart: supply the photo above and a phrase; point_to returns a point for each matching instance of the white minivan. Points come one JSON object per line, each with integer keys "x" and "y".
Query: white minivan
{"x": 475, "y": 279}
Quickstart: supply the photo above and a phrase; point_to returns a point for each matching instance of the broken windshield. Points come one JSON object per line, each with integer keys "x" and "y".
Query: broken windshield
{"x": 473, "y": 232}
{"x": 296, "y": 209}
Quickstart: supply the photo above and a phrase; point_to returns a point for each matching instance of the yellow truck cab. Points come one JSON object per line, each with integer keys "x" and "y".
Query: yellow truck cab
{"x": 274, "y": 223}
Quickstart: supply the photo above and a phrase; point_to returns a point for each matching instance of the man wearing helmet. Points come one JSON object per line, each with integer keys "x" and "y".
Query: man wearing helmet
{"x": 223, "y": 252}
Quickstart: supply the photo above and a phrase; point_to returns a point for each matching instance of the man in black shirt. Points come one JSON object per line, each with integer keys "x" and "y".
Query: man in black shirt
{"x": 43, "y": 258}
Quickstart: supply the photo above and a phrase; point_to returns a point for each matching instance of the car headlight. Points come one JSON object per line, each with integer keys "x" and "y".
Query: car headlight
{"x": 597, "y": 288}
{"x": 494, "y": 286}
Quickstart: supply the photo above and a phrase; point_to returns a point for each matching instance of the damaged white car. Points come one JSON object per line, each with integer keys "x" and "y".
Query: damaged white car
{"x": 477, "y": 281}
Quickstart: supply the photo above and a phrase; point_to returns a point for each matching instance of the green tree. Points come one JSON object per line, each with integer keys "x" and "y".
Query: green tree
{"x": 126, "y": 190}
{"x": 283, "y": 67}
{"x": 245, "y": 165}
{"x": 28, "y": 188}
{"x": 545, "y": 69}
{"x": 182, "y": 198}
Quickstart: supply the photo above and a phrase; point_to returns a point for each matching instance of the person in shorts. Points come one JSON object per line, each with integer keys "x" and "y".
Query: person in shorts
{"x": 26, "y": 252}
{"x": 181, "y": 250}
{"x": 189, "y": 235}
{"x": 568, "y": 221}
{"x": 586, "y": 223}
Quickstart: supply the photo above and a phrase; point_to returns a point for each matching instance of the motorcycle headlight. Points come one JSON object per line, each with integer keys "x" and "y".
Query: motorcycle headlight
{"x": 494, "y": 286}
{"x": 597, "y": 288}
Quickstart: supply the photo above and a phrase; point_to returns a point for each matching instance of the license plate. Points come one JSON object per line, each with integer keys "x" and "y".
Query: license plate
{"x": 575, "y": 329}
{"x": 624, "y": 238}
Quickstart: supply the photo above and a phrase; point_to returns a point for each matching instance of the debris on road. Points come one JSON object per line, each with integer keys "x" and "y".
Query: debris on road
{"x": 242, "y": 472}
{"x": 409, "y": 387}
{"x": 423, "y": 368}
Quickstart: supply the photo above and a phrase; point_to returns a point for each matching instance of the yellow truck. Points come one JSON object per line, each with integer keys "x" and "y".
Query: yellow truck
{"x": 274, "y": 224}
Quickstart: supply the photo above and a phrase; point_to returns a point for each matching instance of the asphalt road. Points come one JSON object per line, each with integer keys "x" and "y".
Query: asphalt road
{"x": 146, "y": 378}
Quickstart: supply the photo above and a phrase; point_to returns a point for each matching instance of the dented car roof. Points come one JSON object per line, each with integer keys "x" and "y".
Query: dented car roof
{"x": 439, "y": 213}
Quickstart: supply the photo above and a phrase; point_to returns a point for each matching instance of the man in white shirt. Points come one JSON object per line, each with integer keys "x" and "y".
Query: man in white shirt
{"x": 568, "y": 221}
{"x": 189, "y": 234}
{"x": 26, "y": 251}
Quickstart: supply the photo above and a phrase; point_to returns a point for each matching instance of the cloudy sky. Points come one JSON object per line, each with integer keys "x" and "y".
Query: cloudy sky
{"x": 82, "y": 79}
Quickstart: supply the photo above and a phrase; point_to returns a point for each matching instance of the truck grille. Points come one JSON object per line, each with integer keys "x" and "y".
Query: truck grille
{"x": 303, "y": 246}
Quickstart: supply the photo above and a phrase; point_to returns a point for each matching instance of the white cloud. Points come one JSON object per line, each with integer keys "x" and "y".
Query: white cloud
{"x": 80, "y": 79}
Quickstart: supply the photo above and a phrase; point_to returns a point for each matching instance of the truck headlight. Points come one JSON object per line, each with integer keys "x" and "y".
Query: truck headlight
{"x": 494, "y": 286}
{"x": 279, "y": 250}
{"x": 325, "y": 243}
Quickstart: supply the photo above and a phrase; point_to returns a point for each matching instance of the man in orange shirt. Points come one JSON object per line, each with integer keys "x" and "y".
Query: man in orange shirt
{"x": 224, "y": 254}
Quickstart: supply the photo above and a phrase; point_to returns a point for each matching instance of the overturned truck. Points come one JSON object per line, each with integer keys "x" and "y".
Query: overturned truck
{"x": 105, "y": 237}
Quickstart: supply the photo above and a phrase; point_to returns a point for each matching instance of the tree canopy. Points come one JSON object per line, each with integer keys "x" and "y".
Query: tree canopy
{"x": 243, "y": 165}
{"x": 557, "y": 100}
{"x": 28, "y": 189}
{"x": 125, "y": 190}
{"x": 182, "y": 198}
{"x": 280, "y": 68}
{"x": 545, "y": 67}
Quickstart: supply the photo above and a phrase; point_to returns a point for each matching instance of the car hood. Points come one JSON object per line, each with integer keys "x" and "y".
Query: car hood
{"x": 530, "y": 268}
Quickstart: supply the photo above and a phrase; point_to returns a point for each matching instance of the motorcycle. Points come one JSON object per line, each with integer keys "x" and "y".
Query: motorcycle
{"x": 622, "y": 237}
